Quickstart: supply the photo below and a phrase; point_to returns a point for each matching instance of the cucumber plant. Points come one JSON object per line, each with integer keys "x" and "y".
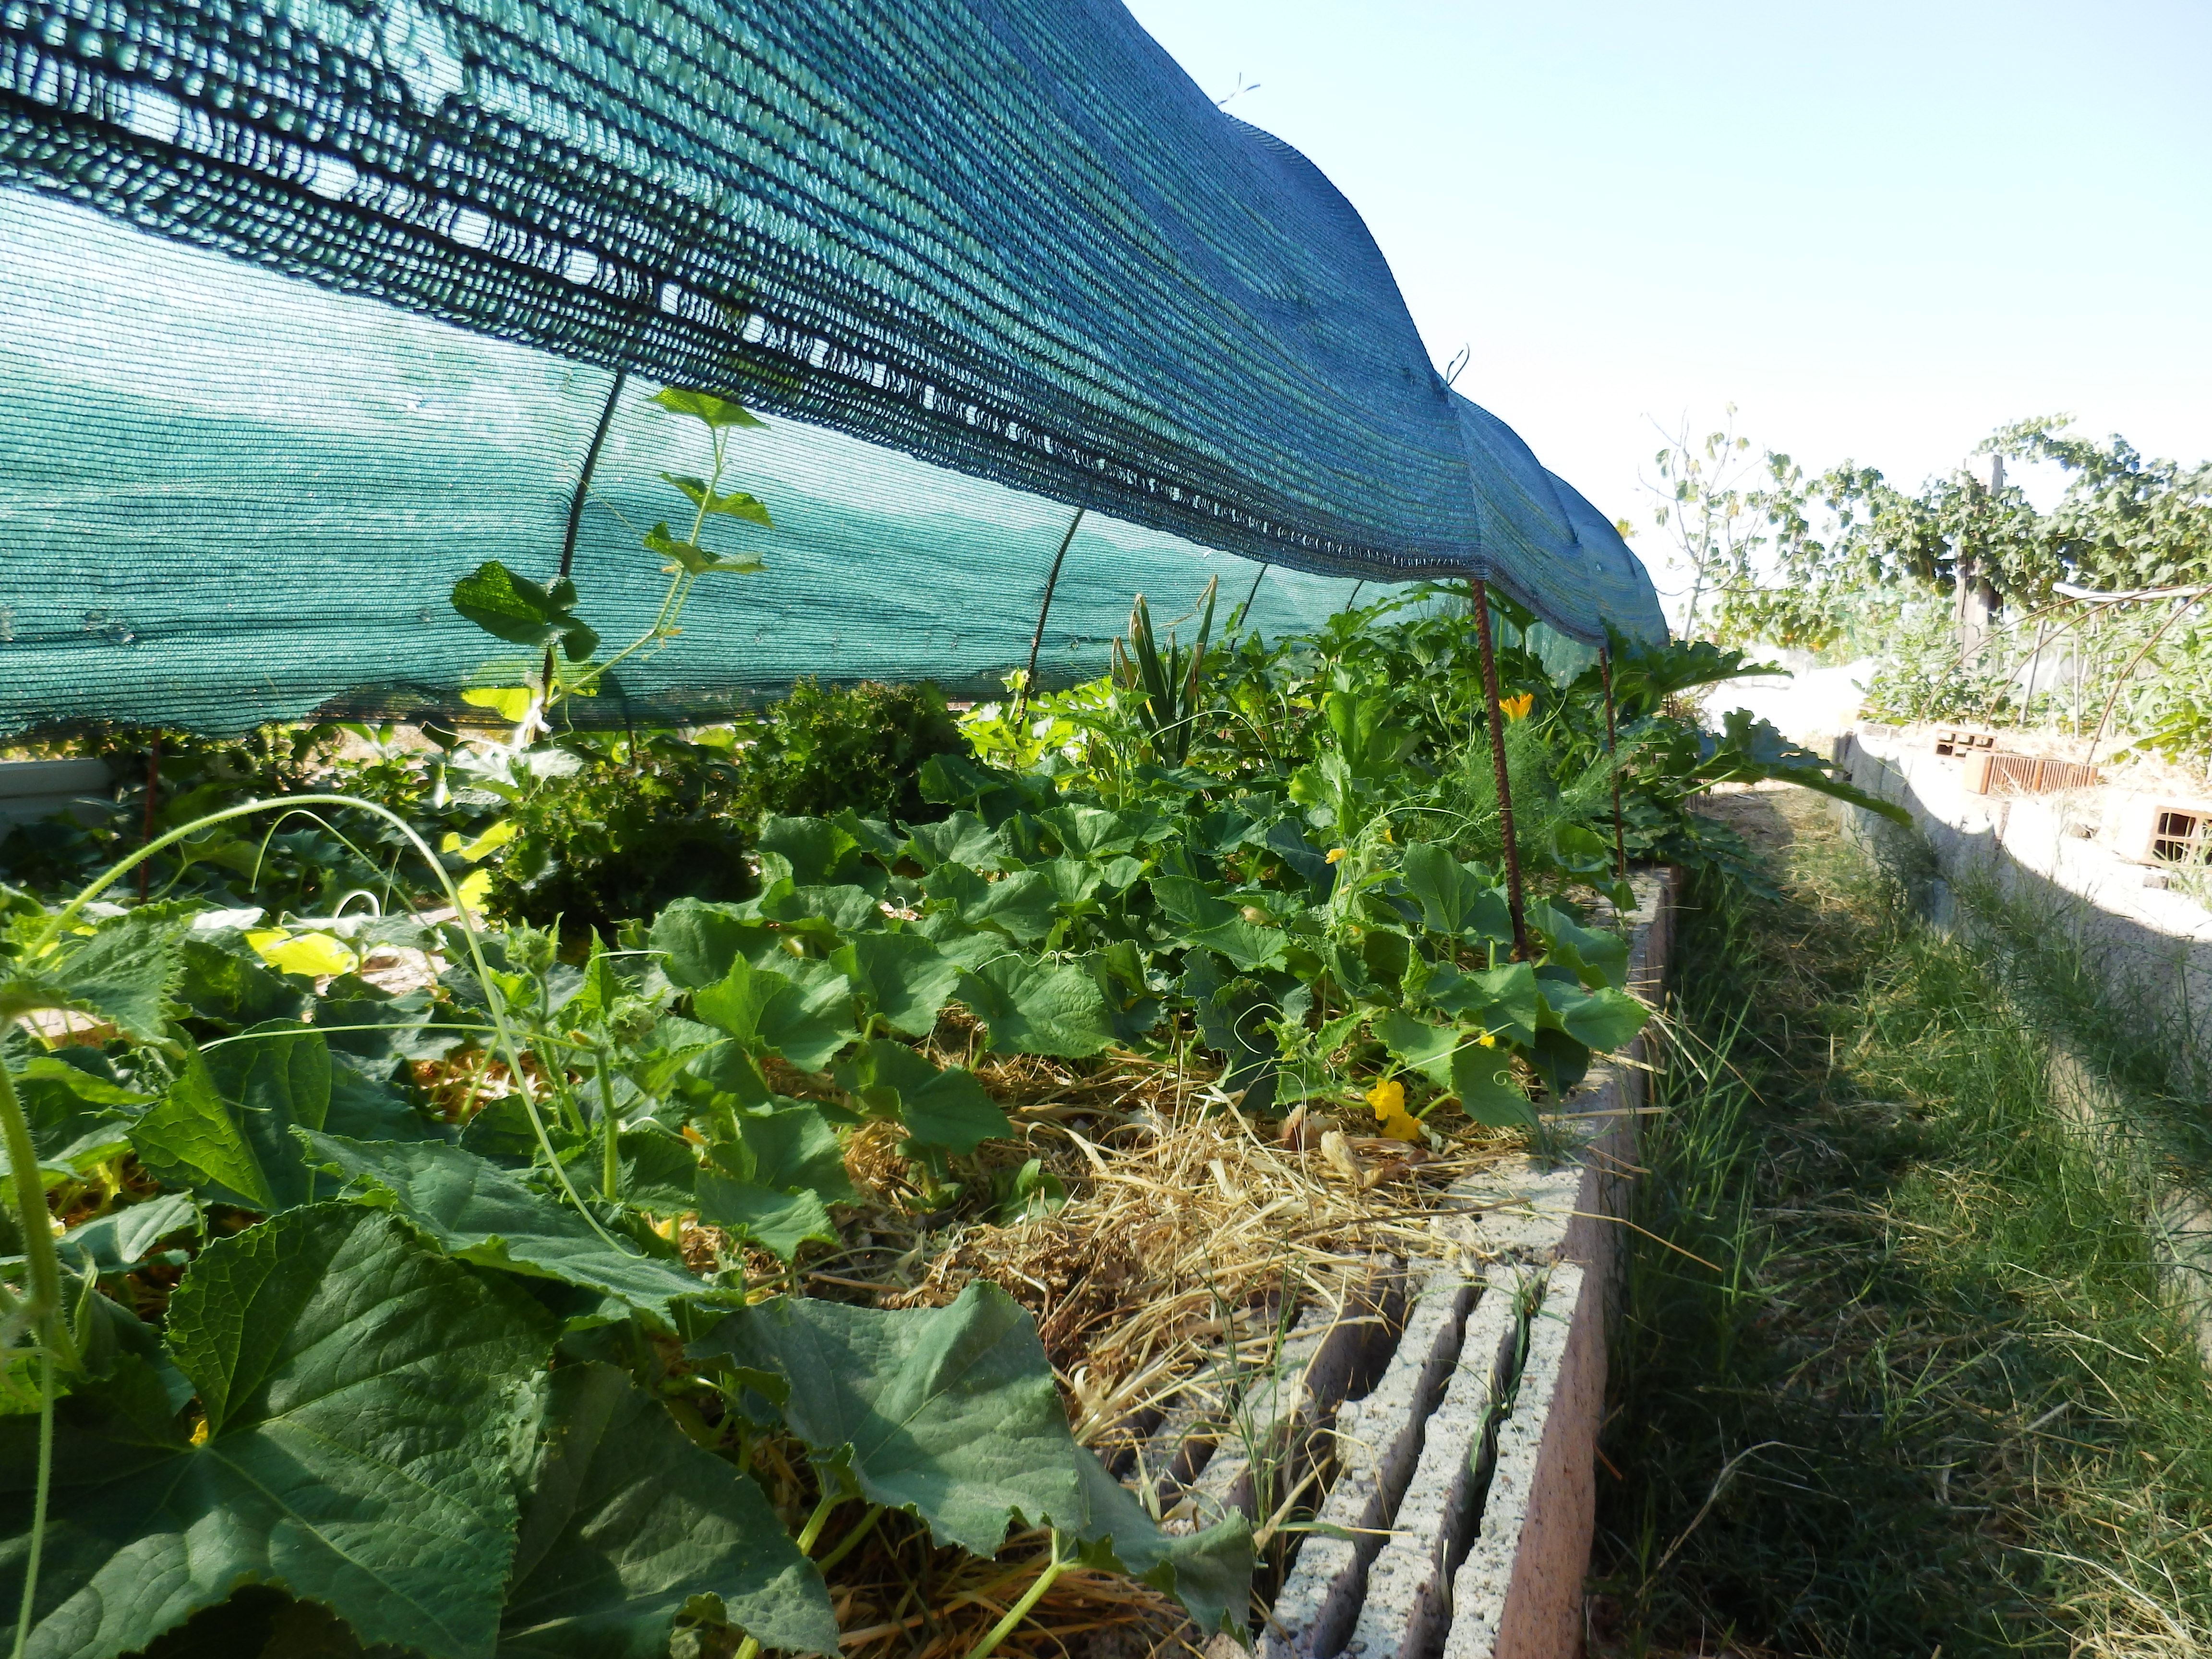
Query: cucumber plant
{"x": 511, "y": 607}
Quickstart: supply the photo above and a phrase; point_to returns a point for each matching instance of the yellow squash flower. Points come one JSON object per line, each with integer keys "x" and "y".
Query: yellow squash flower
{"x": 1387, "y": 1097}
{"x": 1517, "y": 708}
{"x": 1334, "y": 853}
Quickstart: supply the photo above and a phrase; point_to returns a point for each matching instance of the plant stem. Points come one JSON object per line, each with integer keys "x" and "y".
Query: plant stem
{"x": 811, "y": 1532}
{"x": 611, "y": 1153}
{"x": 678, "y": 589}
{"x": 1007, "y": 1627}
{"x": 42, "y": 1274}
{"x": 45, "y": 1482}
{"x": 861, "y": 1529}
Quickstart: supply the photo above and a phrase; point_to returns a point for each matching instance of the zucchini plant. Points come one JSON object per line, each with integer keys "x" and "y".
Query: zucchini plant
{"x": 419, "y": 1372}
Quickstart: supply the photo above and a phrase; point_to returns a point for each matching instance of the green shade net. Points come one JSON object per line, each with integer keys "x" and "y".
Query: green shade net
{"x": 314, "y": 306}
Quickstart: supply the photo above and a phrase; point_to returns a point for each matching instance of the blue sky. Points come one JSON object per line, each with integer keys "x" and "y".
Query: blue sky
{"x": 1880, "y": 229}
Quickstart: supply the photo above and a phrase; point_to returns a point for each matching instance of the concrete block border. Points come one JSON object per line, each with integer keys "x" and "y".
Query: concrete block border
{"x": 1457, "y": 1452}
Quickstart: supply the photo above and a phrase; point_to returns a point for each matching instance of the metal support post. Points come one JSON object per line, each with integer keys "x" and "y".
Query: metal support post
{"x": 1620, "y": 840}
{"x": 577, "y": 509}
{"x": 1244, "y": 613}
{"x": 1036, "y": 640}
{"x": 1478, "y": 593}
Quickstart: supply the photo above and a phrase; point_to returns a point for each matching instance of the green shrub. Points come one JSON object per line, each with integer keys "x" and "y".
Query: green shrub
{"x": 615, "y": 840}
{"x": 823, "y": 748}
{"x": 621, "y": 837}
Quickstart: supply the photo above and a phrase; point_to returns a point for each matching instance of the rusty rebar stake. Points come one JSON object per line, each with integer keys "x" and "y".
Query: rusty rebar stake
{"x": 1619, "y": 840}
{"x": 1479, "y": 592}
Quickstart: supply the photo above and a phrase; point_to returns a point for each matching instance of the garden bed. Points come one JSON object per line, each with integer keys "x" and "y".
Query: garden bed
{"x": 1161, "y": 1086}
{"x": 1415, "y": 1452}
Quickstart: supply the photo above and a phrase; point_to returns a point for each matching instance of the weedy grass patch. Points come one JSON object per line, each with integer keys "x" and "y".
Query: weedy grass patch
{"x": 1937, "y": 1398}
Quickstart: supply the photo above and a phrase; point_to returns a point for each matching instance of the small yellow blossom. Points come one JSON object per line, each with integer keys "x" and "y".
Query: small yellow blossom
{"x": 1334, "y": 853}
{"x": 1488, "y": 1039}
{"x": 1387, "y": 1097}
{"x": 1517, "y": 708}
{"x": 200, "y": 1432}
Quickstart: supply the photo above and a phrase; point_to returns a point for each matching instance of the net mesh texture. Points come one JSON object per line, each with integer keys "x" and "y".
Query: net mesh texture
{"x": 314, "y": 306}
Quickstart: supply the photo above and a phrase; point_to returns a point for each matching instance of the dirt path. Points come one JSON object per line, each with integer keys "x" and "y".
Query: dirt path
{"x": 1929, "y": 1397}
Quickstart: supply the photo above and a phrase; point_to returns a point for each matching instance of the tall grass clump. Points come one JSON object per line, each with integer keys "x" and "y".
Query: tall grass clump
{"x": 1932, "y": 1394}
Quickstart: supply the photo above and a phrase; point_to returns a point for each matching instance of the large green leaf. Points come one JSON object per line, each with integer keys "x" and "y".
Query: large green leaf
{"x": 777, "y": 1220}
{"x": 361, "y": 1397}
{"x": 1360, "y": 722}
{"x": 775, "y": 1181}
{"x": 1034, "y": 1008}
{"x": 790, "y": 1145}
{"x": 840, "y": 910}
{"x": 902, "y": 977}
{"x": 1482, "y": 1078}
{"x": 77, "y": 1118}
{"x": 1596, "y": 956}
{"x": 398, "y": 1027}
{"x": 804, "y": 1013}
{"x": 121, "y": 972}
{"x": 955, "y": 780}
{"x": 1251, "y": 947}
{"x": 1202, "y": 917}
{"x": 1454, "y": 899}
{"x": 1190, "y": 904}
{"x": 813, "y": 852}
{"x": 120, "y": 1240}
{"x": 224, "y": 980}
{"x": 1092, "y": 832}
{"x": 1501, "y": 999}
{"x": 1023, "y": 906}
{"x": 951, "y": 1414}
{"x": 698, "y": 940}
{"x": 957, "y": 943}
{"x": 736, "y": 505}
{"x": 656, "y": 1171}
{"x": 625, "y": 1520}
{"x": 695, "y": 559}
{"x": 224, "y": 1127}
{"x": 704, "y": 406}
{"x": 1603, "y": 1019}
{"x": 1453, "y": 1057}
{"x": 1444, "y": 888}
{"x": 517, "y": 609}
{"x": 479, "y": 1212}
{"x": 961, "y": 838}
{"x": 1423, "y": 1047}
{"x": 946, "y": 1109}
{"x": 1233, "y": 1014}
{"x": 1075, "y": 883}
{"x": 1749, "y": 749}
